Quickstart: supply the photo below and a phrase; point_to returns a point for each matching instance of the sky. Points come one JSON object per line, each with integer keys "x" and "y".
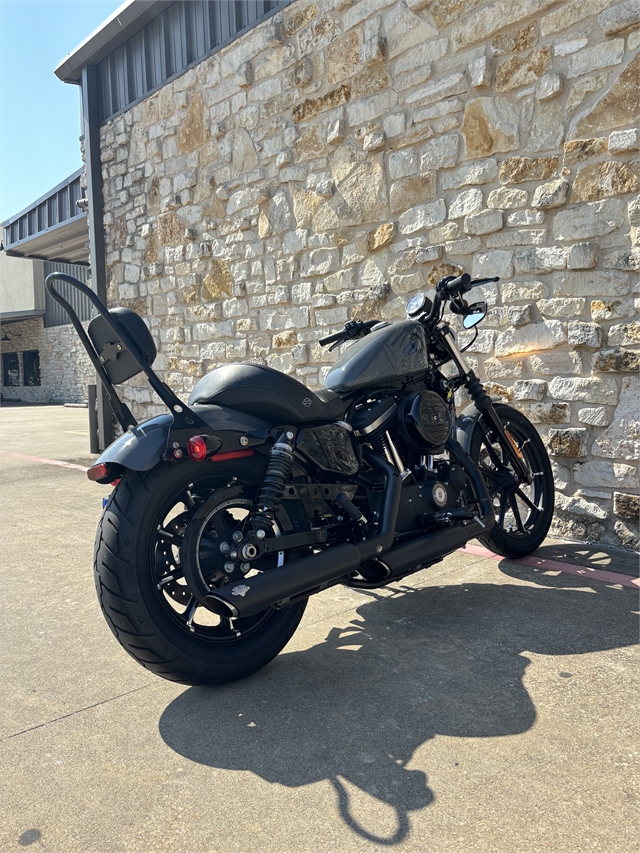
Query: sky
{"x": 40, "y": 115}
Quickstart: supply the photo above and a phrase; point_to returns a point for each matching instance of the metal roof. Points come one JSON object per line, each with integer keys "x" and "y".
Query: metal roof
{"x": 52, "y": 228}
{"x": 146, "y": 43}
{"x": 16, "y": 316}
{"x": 126, "y": 20}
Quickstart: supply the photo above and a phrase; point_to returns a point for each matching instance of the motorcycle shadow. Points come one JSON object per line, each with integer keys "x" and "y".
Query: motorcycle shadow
{"x": 435, "y": 661}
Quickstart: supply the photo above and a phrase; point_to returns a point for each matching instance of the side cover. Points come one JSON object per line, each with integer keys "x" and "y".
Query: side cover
{"x": 143, "y": 446}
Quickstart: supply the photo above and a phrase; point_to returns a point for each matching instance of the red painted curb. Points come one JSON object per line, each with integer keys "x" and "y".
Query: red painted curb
{"x": 586, "y": 572}
{"x": 45, "y": 461}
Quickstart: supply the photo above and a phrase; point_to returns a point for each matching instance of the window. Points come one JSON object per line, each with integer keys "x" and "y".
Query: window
{"x": 31, "y": 364}
{"x": 10, "y": 369}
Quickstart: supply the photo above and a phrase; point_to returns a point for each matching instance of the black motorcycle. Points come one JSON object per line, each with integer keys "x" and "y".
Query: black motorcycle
{"x": 229, "y": 512}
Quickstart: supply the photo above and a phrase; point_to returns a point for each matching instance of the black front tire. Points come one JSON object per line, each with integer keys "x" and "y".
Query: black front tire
{"x": 149, "y": 625}
{"x": 523, "y": 513}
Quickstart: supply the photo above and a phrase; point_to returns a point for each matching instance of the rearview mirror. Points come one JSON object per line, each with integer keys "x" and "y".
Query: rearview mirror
{"x": 474, "y": 314}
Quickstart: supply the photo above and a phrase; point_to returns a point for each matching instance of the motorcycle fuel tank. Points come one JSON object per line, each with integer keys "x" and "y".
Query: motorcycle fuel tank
{"x": 389, "y": 354}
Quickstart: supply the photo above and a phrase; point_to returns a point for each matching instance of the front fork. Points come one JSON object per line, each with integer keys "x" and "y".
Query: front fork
{"x": 483, "y": 403}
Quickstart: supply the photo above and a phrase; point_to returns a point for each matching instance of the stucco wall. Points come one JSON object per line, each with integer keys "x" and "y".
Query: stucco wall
{"x": 64, "y": 367}
{"x": 21, "y": 284}
{"x": 342, "y": 156}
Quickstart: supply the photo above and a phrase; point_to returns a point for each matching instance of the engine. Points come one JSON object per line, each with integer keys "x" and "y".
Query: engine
{"x": 410, "y": 432}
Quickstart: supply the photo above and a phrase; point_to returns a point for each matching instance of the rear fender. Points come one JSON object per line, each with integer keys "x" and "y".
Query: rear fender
{"x": 141, "y": 447}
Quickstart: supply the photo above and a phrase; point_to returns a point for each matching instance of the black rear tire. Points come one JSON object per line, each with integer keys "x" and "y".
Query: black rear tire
{"x": 524, "y": 514}
{"x": 150, "y": 624}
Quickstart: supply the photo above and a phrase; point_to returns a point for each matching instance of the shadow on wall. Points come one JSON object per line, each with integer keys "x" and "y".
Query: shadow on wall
{"x": 437, "y": 661}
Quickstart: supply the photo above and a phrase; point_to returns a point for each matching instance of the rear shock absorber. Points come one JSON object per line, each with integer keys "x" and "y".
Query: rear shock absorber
{"x": 267, "y": 502}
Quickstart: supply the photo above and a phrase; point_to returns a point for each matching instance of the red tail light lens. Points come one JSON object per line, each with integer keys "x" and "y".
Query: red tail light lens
{"x": 197, "y": 448}
{"x": 201, "y": 447}
{"x": 98, "y": 472}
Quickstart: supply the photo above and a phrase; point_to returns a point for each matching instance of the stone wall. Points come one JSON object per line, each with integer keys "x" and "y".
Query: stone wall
{"x": 65, "y": 370}
{"x": 343, "y": 155}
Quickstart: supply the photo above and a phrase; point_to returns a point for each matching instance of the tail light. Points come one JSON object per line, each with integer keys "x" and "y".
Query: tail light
{"x": 104, "y": 473}
{"x": 98, "y": 472}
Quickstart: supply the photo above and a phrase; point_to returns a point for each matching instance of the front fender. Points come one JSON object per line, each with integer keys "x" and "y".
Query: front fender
{"x": 465, "y": 425}
{"x": 143, "y": 446}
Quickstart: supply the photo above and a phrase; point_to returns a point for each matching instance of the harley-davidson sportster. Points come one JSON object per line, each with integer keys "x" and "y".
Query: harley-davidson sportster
{"x": 229, "y": 512}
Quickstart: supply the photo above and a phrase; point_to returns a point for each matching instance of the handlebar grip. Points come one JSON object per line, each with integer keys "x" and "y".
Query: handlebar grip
{"x": 338, "y": 336}
{"x": 458, "y": 285}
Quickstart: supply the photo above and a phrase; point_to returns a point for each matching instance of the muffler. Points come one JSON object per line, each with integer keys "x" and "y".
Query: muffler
{"x": 279, "y": 586}
{"x": 313, "y": 573}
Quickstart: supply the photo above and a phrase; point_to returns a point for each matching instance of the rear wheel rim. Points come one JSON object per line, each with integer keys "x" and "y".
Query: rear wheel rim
{"x": 169, "y": 582}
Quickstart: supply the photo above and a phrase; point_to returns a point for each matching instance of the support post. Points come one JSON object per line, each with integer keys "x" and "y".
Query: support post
{"x": 94, "y": 444}
{"x": 91, "y": 129}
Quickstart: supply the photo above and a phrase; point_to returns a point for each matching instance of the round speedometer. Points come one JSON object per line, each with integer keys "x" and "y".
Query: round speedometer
{"x": 416, "y": 304}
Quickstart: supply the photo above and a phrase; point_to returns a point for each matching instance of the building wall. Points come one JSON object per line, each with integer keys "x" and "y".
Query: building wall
{"x": 65, "y": 369}
{"x": 345, "y": 155}
{"x": 21, "y": 284}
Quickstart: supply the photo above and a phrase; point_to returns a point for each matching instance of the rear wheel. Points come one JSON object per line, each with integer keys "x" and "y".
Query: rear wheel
{"x": 139, "y": 573}
{"x": 523, "y": 512}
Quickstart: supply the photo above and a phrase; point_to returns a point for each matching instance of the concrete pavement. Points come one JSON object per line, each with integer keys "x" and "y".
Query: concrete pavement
{"x": 476, "y": 706}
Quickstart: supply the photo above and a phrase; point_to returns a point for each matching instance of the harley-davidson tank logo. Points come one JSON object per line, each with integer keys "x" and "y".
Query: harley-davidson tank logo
{"x": 307, "y": 402}
{"x": 242, "y": 590}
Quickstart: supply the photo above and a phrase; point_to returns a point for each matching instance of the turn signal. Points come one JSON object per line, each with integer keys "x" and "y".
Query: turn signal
{"x": 201, "y": 447}
{"x": 197, "y": 448}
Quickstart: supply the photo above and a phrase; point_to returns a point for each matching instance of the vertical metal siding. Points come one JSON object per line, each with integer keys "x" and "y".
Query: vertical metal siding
{"x": 55, "y": 315}
{"x": 182, "y": 34}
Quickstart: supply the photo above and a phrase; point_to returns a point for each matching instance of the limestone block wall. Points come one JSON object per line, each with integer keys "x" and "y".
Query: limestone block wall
{"x": 344, "y": 155}
{"x": 65, "y": 370}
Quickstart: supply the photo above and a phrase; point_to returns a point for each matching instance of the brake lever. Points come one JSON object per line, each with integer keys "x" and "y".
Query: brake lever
{"x": 337, "y": 344}
{"x": 480, "y": 281}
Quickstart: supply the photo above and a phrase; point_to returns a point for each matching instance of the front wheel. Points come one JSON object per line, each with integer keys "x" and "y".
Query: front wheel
{"x": 139, "y": 573}
{"x": 523, "y": 512}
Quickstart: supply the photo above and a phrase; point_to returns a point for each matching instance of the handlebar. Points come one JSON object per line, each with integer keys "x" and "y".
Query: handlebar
{"x": 463, "y": 283}
{"x": 352, "y": 329}
{"x": 446, "y": 288}
{"x": 457, "y": 285}
{"x": 330, "y": 339}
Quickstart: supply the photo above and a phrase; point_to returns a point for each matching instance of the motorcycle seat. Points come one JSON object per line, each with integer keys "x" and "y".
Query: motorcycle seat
{"x": 266, "y": 393}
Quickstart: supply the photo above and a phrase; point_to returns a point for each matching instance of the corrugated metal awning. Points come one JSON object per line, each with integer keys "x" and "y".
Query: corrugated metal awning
{"x": 52, "y": 228}
{"x": 65, "y": 243}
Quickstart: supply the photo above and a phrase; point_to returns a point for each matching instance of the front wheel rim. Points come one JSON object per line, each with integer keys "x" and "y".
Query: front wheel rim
{"x": 518, "y": 507}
